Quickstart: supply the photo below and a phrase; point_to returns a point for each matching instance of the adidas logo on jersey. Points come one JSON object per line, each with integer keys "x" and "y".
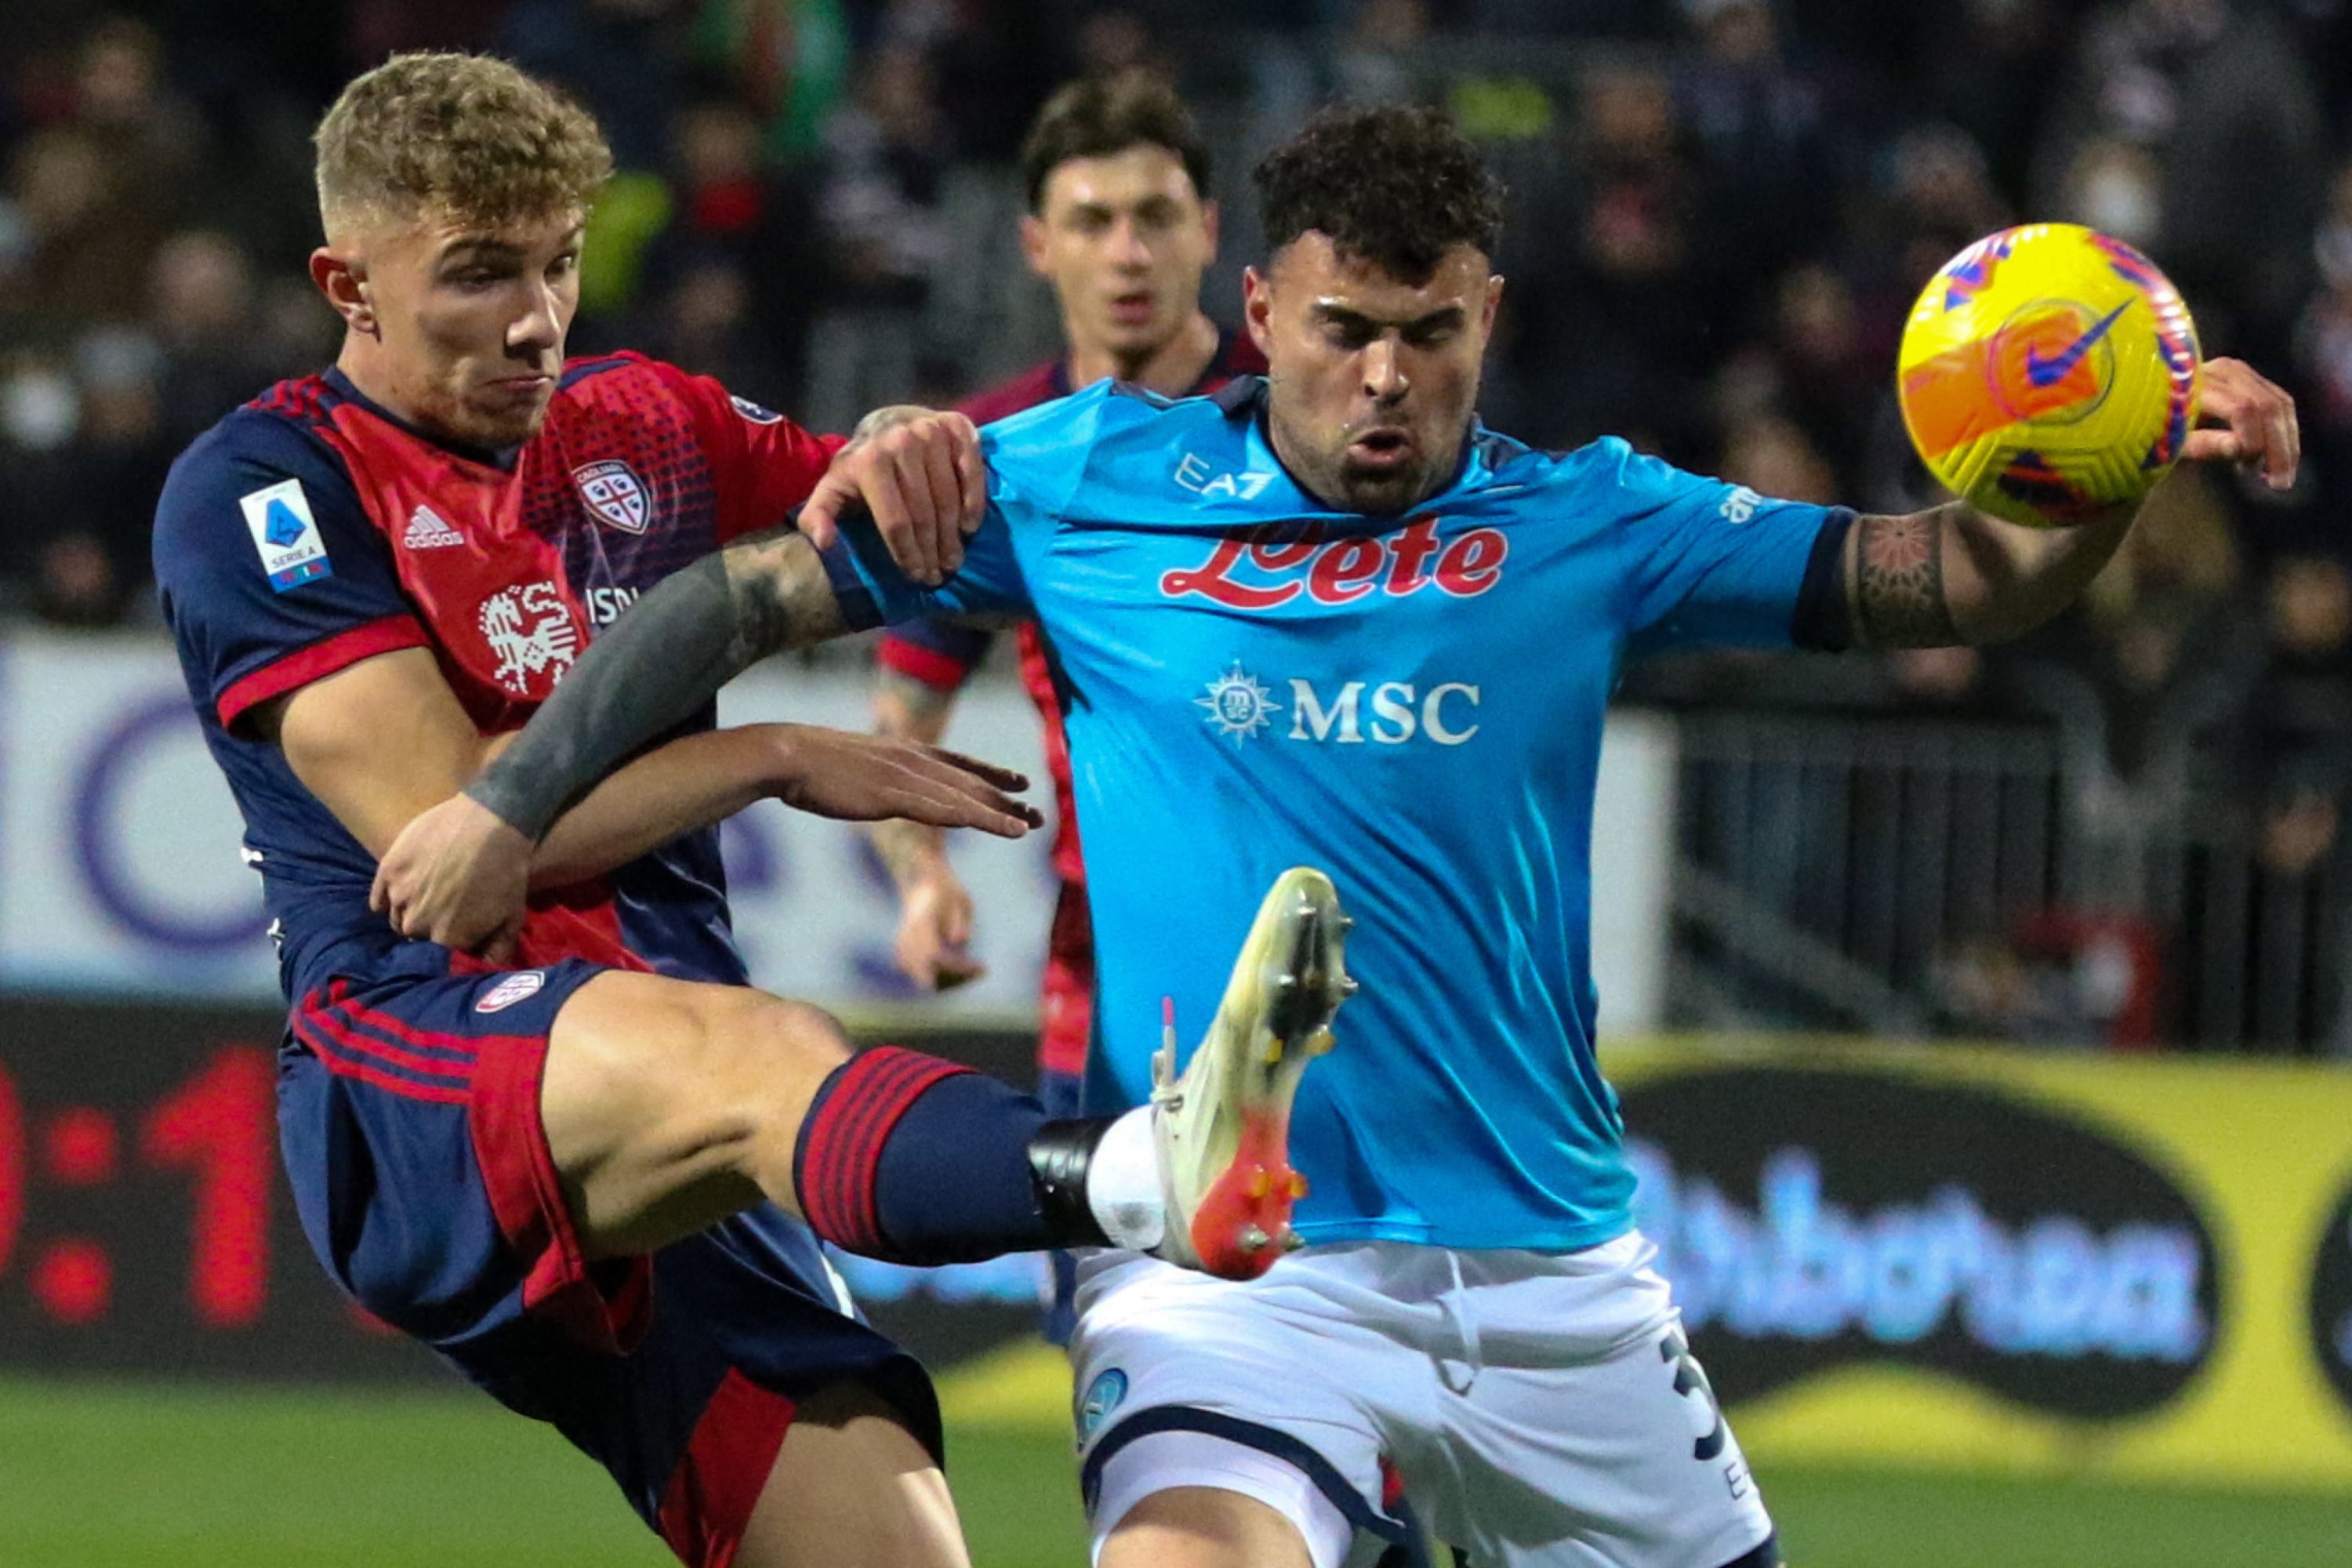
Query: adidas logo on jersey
{"x": 427, "y": 530}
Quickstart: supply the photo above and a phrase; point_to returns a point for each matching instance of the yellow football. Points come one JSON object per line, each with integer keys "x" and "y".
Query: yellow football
{"x": 2047, "y": 374}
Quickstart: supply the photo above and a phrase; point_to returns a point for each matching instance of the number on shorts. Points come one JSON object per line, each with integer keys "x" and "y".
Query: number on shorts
{"x": 1690, "y": 1382}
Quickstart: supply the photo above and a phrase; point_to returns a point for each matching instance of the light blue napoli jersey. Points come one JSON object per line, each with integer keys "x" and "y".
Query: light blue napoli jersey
{"x": 1412, "y": 704}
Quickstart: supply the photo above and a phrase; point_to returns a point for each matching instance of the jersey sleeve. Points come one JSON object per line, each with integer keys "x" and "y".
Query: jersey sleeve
{"x": 1711, "y": 562}
{"x": 271, "y": 574}
{"x": 872, "y": 591}
{"x": 1036, "y": 460}
{"x": 941, "y": 653}
{"x": 762, "y": 464}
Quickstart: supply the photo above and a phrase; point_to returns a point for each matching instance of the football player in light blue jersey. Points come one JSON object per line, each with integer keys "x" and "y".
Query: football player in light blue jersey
{"x": 1325, "y": 618}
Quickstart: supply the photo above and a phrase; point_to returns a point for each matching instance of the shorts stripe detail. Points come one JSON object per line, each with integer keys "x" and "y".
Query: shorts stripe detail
{"x": 408, "y": 1034}
{"x": 341, "y": 1032}
{"x": 708, "y": 1501}
{"x": 351, "y": 1066}
{"x": 1281, "y": 1446}
{"x": 840, "y": 1144}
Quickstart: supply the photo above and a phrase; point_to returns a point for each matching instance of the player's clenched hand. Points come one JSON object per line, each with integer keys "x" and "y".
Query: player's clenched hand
{"x": 456, "y": 875}
{"x": 2252, "y": 421}
{"x": 919, "y": 473}
{"x": 935, "y": 932}
{"x": 872, "y": 778}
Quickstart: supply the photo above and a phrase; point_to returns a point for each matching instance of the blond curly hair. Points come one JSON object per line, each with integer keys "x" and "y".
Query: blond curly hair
{"x": 457, "y": 135}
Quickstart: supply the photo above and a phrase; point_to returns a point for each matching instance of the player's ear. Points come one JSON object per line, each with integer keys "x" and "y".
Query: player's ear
{"x": 1257, "y": 310}
{"x": 1033, "y": 243}
{"x": 338, "y": 275}
{"x": 1209, "y": 224}
{"x": 1493, "y": 302}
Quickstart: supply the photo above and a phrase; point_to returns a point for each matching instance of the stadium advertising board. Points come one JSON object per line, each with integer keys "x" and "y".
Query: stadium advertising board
{"x": 120, "y": 868}
{"x": 1962, "y": 1257}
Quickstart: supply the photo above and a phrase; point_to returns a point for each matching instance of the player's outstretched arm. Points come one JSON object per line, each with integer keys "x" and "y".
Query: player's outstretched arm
{"x": 458, "y": 872}
{"x": 935, "y": 908}
{"x": 1954, "y": 574}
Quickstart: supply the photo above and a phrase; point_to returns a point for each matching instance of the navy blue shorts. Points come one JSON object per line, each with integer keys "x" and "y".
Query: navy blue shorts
{"x": 408, "y": 1109}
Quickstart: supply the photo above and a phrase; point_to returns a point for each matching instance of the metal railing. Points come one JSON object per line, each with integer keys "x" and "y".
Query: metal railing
{"x": 1894, "y": 874}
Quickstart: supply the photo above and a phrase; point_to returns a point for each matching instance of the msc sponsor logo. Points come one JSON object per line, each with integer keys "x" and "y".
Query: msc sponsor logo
{"x": 1388, "y": 714}
{"x": 2331, "y": 1298}
{"x": 1810, "y": 1219}
{"x": 1348, "y": 713}
{"x": 1238, "y": 706}
{"x": 1260, "y": 568}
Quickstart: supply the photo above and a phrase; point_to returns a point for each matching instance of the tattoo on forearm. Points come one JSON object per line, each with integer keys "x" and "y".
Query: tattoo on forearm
{"x": 1898, "y": 583}
{"x": 777, "y": 597}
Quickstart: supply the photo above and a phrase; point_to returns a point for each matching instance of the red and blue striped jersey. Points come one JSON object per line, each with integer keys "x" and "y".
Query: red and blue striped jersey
{"x": 312, "y": 529}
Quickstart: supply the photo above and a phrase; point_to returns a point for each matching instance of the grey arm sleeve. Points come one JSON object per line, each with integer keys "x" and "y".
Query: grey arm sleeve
{"x": 650, "y": 669}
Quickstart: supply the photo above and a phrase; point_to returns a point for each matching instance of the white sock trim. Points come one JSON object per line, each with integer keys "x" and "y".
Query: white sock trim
{"x": 1123, "y": 1186}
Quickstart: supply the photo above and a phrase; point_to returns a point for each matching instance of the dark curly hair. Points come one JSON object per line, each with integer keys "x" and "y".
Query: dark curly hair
{"x": 1095, "y": 117}
{"x": 1396, "y": 187}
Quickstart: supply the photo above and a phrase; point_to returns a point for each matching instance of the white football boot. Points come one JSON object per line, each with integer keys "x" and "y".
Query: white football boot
{"x": 1222, "y": 1127}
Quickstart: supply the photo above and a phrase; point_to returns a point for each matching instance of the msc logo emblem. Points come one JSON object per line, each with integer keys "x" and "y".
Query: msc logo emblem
{"x": 1239, "y": 707}
{"x": 613, "y": 491}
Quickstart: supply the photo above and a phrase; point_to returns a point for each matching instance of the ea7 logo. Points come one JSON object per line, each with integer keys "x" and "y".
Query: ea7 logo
{"x": 1258, "y": 570}
{"x": 1195, "y": 475}
{"x": 1398, "y": 713}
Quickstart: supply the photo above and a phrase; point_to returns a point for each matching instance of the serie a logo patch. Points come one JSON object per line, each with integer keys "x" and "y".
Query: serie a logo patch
{"x": 285, "y": 534}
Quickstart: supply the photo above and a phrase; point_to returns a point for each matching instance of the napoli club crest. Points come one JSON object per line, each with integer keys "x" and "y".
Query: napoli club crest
{"x": 614, "y": 493}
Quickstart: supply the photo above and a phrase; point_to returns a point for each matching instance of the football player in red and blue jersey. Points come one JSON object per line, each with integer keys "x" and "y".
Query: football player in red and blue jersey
{"x": 1121, "y": 224}
{"x": 585, "y": 1168}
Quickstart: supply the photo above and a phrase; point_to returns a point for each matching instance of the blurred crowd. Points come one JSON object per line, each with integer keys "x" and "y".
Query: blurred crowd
{"x": 1720, "y": 211}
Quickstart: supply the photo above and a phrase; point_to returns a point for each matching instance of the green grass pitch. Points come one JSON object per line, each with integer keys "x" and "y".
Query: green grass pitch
{"x": 129, "y": 1476}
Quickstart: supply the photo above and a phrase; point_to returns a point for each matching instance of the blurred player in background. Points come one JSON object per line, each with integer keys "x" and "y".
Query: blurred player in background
{"x": 1120, "y": 223}
{"x": 1328, "y": 617}
{"x": 573, "y": 1170}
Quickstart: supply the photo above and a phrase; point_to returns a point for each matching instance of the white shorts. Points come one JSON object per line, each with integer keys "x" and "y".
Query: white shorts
{"x": 1539, "y": 1409}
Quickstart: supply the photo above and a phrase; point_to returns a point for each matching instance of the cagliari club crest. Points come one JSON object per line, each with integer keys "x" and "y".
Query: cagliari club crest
{"x": 614, "y": 493}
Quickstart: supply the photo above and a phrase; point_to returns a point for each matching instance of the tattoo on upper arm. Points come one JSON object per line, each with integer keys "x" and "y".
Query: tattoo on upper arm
{"x": 778, "y": 596}
{"x": 1897, "y": 583}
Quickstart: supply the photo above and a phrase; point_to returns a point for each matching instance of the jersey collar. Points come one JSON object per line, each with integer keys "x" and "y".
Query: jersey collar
{"x": 1483, "y": 451}
{"x": 503, "y": 458}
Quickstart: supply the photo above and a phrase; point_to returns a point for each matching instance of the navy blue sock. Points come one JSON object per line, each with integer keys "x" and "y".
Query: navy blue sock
{"x": 915, "y": 1160}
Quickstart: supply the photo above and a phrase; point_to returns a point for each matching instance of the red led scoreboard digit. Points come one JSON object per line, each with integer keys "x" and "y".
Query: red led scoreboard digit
{"x": 213, "y": 1131}
{"x": 217, "y": 1128}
